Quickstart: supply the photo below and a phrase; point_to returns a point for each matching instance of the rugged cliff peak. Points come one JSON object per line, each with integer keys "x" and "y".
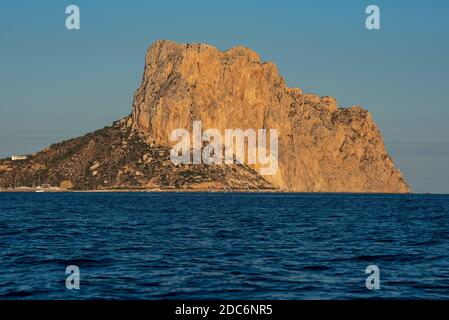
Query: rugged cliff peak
{"x": 322, "y": 148}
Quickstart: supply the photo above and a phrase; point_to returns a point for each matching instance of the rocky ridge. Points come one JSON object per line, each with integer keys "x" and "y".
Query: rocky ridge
{"x": 118, "y": 157}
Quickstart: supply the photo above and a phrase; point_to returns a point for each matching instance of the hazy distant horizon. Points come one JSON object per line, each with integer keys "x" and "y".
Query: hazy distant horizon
{"x": 58, "y": 84}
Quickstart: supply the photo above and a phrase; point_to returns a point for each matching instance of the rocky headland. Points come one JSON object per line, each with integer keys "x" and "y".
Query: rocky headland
{"x": 322, "y": 147}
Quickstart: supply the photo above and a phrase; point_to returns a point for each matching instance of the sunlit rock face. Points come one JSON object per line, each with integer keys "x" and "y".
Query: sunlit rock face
{"x": 322, "y": 148}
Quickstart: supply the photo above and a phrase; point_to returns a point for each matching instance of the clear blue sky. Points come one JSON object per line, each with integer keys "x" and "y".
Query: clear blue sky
{"x": 56, "y": 84}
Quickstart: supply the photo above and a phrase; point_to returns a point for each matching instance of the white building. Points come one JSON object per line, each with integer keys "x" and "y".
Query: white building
{"x": 18, "y": 157}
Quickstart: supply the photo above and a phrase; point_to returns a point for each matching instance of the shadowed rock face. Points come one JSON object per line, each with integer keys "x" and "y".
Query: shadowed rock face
{"x": 322, "y": 148}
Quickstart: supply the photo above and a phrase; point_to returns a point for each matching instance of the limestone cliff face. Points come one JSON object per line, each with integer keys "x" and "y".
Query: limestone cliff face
{"x": 322, "y": 148}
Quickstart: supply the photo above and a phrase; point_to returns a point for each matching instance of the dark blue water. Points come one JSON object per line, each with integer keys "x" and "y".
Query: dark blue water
{"x": 223, "y": 246}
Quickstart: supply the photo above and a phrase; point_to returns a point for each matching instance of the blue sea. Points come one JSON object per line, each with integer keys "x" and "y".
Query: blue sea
{"x": 223, "y": 245}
